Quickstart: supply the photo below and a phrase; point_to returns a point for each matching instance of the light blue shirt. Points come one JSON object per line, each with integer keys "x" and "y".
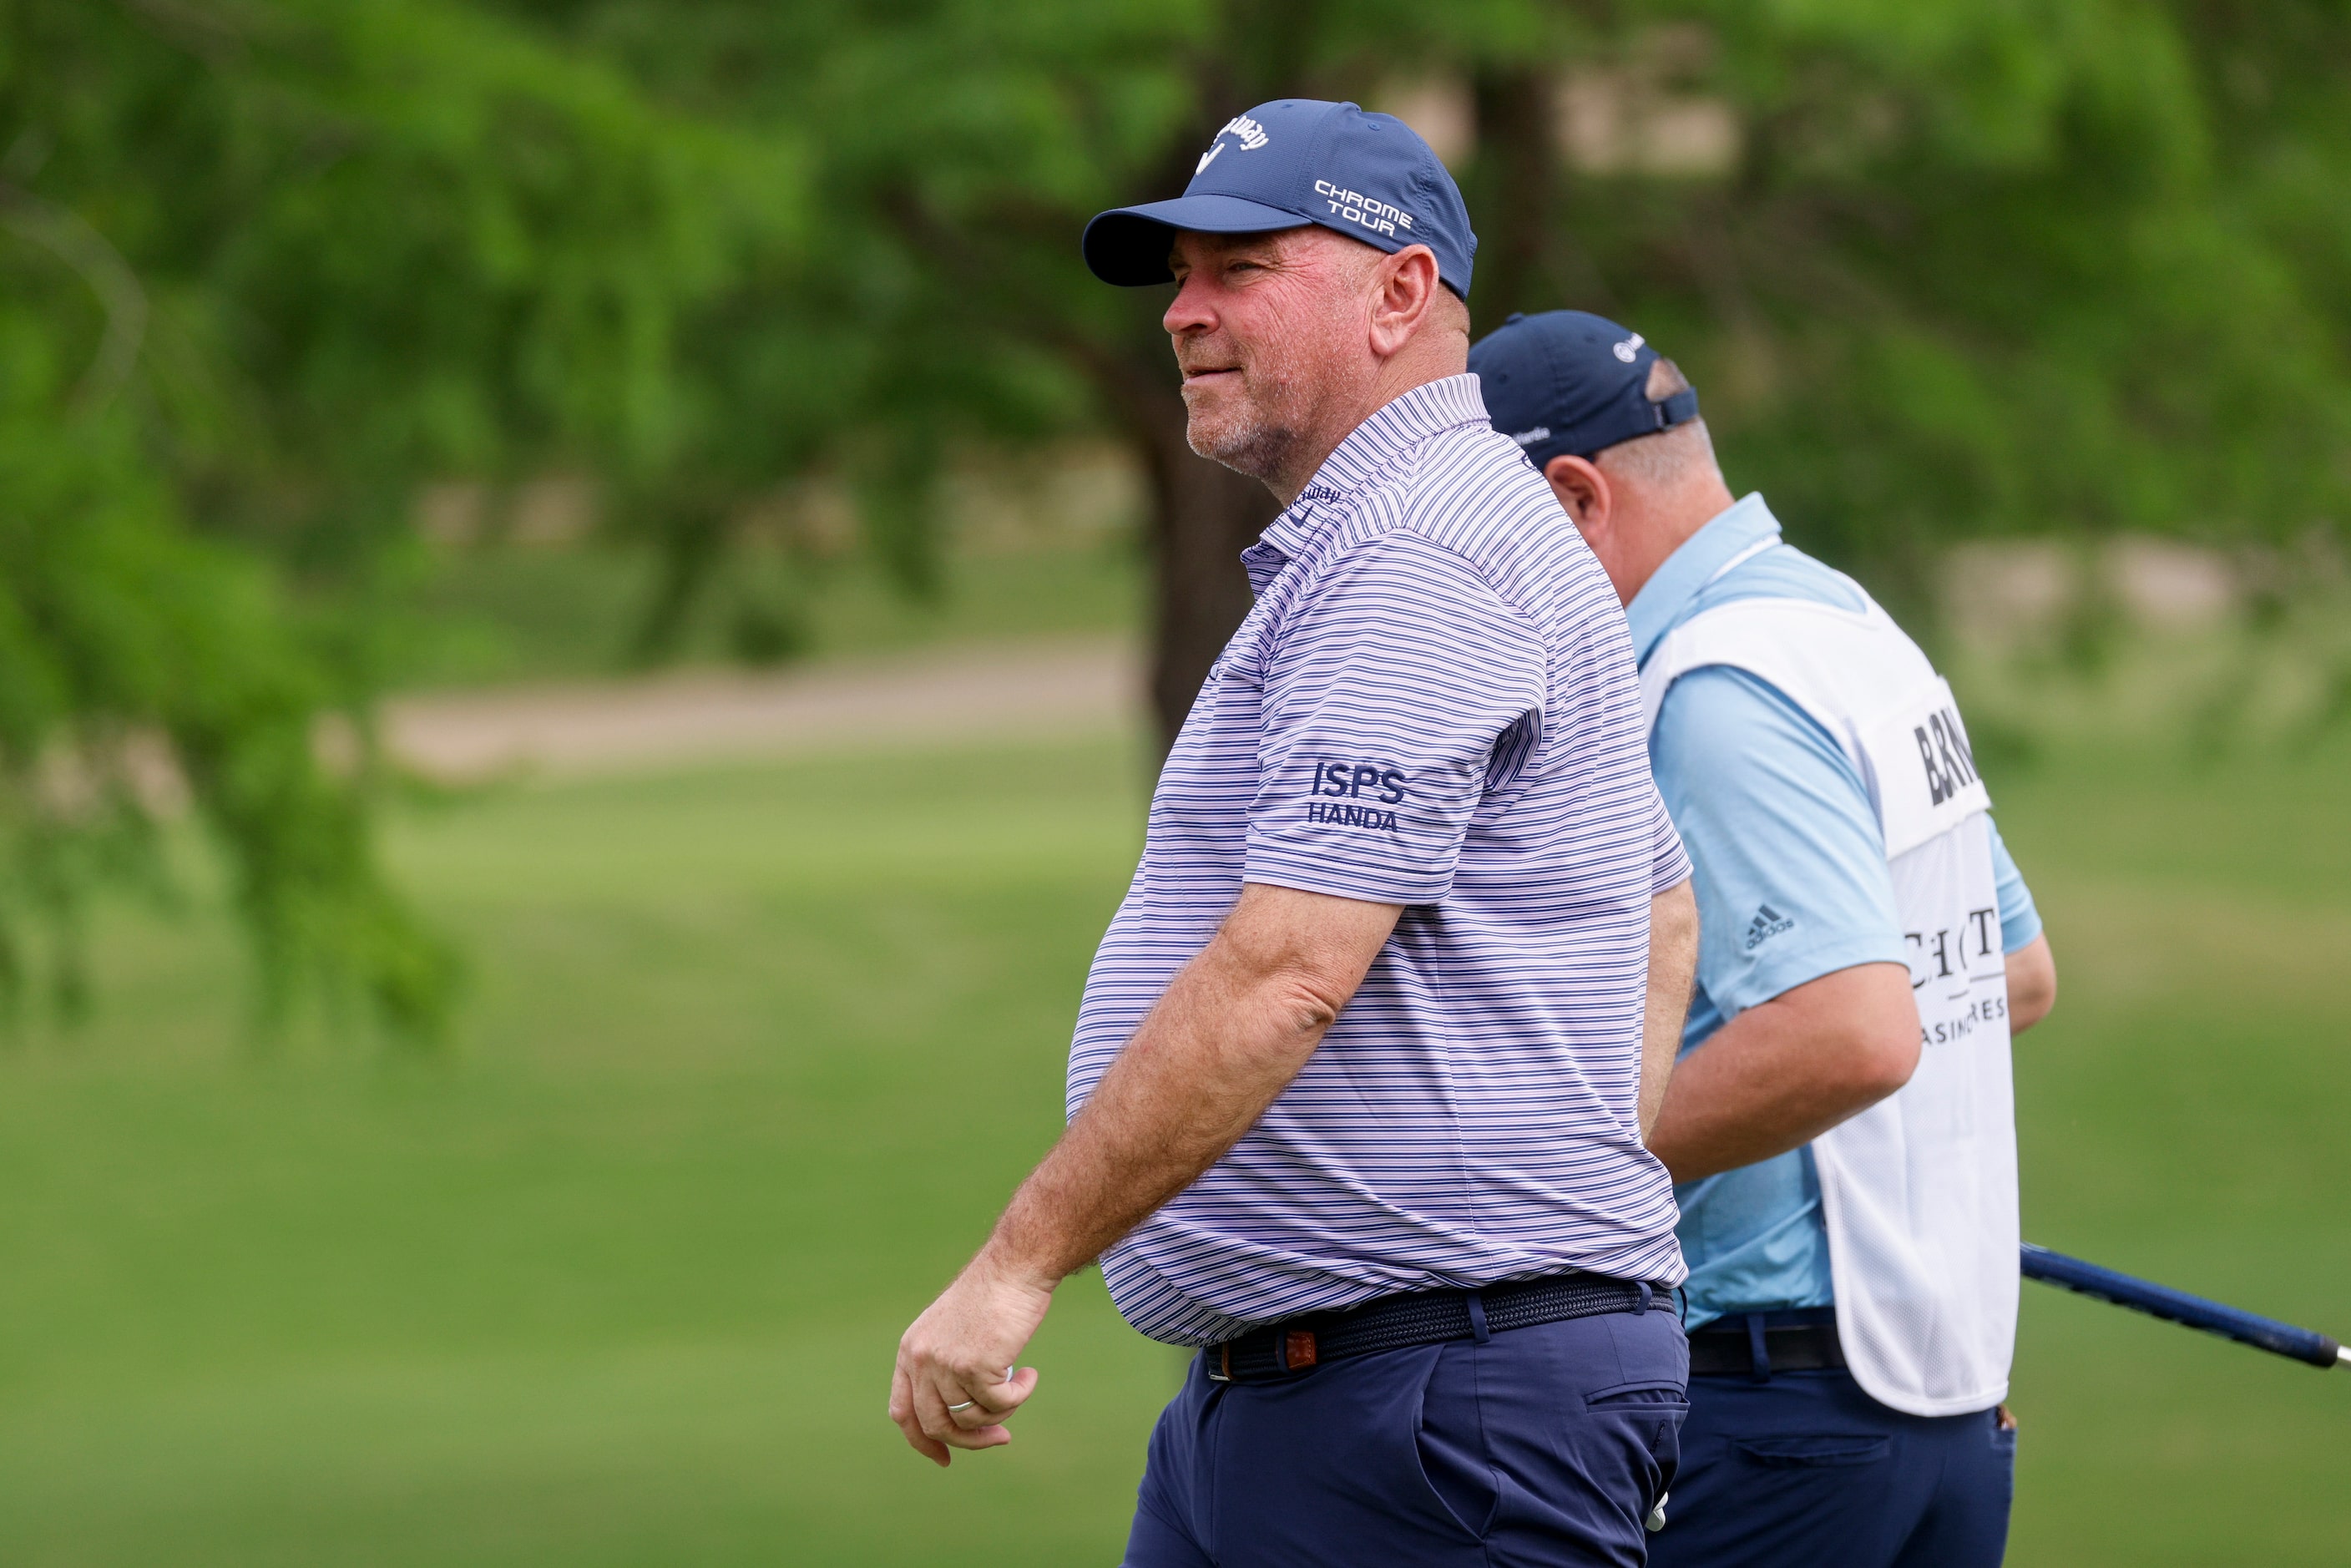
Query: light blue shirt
{"x": 1432, "y": 703}
{"x": 1791, "y": 885}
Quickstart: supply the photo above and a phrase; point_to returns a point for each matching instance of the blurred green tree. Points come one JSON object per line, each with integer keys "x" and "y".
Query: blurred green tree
{"x": 267, "y": 265}
{"x": 1939, "y": 268}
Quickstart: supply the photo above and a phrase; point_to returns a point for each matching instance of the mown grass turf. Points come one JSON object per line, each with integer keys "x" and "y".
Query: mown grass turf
{"x": 754, "y": 1055}
{"x": 2183, "y": 1116}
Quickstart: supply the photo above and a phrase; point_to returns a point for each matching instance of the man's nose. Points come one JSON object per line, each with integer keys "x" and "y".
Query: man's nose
{"x": 1190, "y": 310}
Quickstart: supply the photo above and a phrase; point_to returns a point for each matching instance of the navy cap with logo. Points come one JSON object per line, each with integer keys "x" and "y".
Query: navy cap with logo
{"x": 1294, "y": 161}
{"x": 1570, "y": 384}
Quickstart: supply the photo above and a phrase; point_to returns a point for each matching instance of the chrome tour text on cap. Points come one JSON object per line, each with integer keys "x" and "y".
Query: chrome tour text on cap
{"x": 1294, "y": 161}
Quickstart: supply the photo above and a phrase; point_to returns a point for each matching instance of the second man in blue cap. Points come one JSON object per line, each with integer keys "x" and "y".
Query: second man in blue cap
{"x": 1840, "y": 1128}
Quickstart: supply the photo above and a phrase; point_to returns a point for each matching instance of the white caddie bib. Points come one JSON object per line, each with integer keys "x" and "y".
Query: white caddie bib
{"x": 1918, "y": 1191}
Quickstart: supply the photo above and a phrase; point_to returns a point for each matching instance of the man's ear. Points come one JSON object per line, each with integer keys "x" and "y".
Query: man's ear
{"x": 1407, "y": 285}
{"x": 1582, "y": 490}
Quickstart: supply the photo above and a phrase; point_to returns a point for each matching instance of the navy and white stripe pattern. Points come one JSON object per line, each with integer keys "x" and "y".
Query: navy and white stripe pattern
{"x": 1432, "y": 703}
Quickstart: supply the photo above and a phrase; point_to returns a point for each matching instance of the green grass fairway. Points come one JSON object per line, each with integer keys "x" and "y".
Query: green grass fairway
{"x": 754, "y": 1055}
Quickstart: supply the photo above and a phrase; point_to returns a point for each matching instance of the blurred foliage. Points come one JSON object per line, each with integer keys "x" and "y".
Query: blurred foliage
{"x": 2041, "y": 265}
{"x": 120, "y": 636}
{"x": 267, "y": 266}
{"x": 2022, "y": 268}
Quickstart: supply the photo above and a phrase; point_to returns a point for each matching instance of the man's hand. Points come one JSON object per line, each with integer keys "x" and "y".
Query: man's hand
{"x": 955, "y": 1380}
{"x": 1231, "y": 1032}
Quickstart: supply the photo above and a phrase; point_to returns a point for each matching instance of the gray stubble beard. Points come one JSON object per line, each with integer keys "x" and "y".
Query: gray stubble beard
{"x": 1257, "y": 448}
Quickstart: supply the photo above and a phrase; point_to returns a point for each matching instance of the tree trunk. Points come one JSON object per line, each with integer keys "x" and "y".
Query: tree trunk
{"x": 1510, "y": 193}
{"x": 1203, "y": 516}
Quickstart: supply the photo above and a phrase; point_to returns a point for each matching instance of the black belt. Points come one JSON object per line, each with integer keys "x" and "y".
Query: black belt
{"x": 1422, "y": 1317}
{"x": 1757, "y": 1344}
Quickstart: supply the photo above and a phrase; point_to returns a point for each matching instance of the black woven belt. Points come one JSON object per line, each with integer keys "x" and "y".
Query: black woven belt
{"x": 1422, "y": 1317}
{"x": 1727, "y": 1348}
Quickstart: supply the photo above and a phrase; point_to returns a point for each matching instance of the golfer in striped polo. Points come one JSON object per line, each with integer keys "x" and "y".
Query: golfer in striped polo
{"x": 1356, "y": 1098}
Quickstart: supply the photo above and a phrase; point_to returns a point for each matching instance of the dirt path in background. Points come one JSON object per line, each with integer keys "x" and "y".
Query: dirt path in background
{"x": 1021, "y": 692}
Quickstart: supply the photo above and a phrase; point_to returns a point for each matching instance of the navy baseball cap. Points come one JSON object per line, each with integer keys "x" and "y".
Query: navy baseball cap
{"x": 1294, "y": 161}
{"x": 1568, "y": 383}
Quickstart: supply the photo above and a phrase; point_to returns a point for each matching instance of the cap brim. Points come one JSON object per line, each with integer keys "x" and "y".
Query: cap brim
{"x": 1129, "y": 245}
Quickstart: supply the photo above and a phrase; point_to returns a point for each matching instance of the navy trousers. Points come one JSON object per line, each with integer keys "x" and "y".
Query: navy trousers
{"x": 1805, "y": 1469}
{"x": 1538, "y": 1448}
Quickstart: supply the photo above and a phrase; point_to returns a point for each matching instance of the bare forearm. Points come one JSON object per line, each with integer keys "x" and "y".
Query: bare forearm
{"x": 1673, "y": 968}
{"x": 2032, "y": 983}
{"x": 1207, "y": 1062}
{"x": 1733, "y": 1108}
{"x": 1231, "y": 1032}
{"x": 1783, "y": 1073}
{"x": 1233, "y": 1029}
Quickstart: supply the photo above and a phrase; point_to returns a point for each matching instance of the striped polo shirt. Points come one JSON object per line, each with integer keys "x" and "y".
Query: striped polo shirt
{"x": 1433, "y": 703}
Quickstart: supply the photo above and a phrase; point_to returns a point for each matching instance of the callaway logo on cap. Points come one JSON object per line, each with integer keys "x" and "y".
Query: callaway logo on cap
{"x": 1294, "y": 161}
{"x": 1245, "y": 131}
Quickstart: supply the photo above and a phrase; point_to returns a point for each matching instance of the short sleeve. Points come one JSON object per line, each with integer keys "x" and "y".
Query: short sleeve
{"x": 2019, "y": 919}
{"x": 1669, "y": 864}
{"x": 1384, "y": 696}
{"x": 1792, "y": 878}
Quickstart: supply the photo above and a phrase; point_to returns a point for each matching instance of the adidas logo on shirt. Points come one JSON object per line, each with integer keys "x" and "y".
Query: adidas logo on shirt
{"x": 1768, "y": 922}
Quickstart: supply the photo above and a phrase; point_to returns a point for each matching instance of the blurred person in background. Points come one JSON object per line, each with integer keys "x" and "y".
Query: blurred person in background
{"x": 1841, "y": 1128}
{"x": 1357, "y": 1089}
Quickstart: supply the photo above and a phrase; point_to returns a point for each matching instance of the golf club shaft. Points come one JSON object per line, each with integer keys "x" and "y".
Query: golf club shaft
{"x": 2180, "y": 1307}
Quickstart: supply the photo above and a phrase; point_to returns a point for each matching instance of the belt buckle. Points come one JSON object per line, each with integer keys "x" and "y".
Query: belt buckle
{"x": 1220, "y": 1366}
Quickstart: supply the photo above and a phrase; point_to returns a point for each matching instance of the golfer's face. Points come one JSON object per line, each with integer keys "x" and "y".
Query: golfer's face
{"x": 1256, "y": 322}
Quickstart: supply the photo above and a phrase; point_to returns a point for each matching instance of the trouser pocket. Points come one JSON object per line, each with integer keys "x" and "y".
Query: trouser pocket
{"x": 1813, "y": 1452}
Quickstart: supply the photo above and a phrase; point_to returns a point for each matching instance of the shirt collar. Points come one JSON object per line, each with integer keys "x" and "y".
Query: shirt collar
{"x": 1665, "y": 598}
{"x": 1404, "y": 422}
